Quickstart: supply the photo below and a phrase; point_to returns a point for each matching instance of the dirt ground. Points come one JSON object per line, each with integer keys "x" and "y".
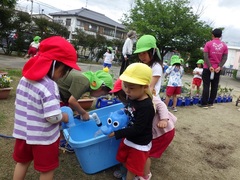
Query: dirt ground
{"x": 206, "y": 145}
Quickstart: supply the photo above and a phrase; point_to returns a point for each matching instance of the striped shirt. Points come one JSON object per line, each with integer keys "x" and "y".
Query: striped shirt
{"x": 35, "y": 101}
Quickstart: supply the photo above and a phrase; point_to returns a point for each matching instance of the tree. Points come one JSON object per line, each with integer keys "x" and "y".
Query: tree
{"x": 45, "y": 28}
{"x": 6, "y": 21}
{"x": 172, "y": 22}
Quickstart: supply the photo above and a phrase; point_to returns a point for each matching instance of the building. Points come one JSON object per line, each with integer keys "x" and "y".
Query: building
{"x": 233, "y": 60}
{"x": 89, "y": 21}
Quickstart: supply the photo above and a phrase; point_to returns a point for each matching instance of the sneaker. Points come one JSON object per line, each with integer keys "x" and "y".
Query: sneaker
{"x": 117, "y": 174}
{"x": 174, "y": 109}
{"x": 121, "y": 173}
{"x": 210, "y": 105}
{"x": 65, "y": 146}
{"x": 203, "y": 106}
{"x": 144, "y": 178}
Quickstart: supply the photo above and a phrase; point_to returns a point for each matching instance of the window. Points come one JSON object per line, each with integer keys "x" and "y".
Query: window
{"x": 68, "y": 22}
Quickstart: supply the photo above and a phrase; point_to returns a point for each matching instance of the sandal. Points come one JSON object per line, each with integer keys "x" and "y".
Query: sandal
{"x": 117, "y": 174}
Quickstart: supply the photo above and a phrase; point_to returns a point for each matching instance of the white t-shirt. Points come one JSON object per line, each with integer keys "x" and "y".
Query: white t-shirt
{"x": 108, "y": 58}
{"x": 175, "y": 76}
{"x": 35, "y": 45}
{"x": 127, "y": 47}
{"x": 200, "y": 70}
{"x": 157, "y": 71}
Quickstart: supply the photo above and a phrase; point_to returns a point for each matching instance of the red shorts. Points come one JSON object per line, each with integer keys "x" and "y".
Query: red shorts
{"x": 133, "y": 159}
{"x": 32, "y": 51}
{"x": 197, "y": 81}
{"x": 170, "y": 90}
{"x": 45, "y": 157}
{"x": 160, "y": 144}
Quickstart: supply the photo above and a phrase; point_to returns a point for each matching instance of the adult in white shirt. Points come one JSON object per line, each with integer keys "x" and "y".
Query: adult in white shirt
{"x": 127, "y": 50}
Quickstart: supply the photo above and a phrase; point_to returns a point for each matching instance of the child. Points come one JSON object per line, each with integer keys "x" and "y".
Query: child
{"x": 38, "y": 114}
{"x": 175, "y": 72}
{"x": 73, "y": 86}
{"x": 163, "y": 133}
{"x": 163, "y": 130}
{"x": 108, "y": 58}
{"x": 33, "y": 48}
{"x": 76, "y": 84}
{"x": 197, "y": 78}
{"x": 134, "y": 148}
{"x": 148, "y": 53}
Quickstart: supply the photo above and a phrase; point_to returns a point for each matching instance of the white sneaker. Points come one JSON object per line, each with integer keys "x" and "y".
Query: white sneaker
{"x": 142, "y": 178}
{"x": 174, "y": 109}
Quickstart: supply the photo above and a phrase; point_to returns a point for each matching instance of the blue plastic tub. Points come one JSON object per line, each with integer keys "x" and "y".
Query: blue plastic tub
{"x": 94, "y": 150}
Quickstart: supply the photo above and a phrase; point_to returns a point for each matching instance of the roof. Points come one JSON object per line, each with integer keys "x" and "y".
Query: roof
{"x": 89, "y": 14}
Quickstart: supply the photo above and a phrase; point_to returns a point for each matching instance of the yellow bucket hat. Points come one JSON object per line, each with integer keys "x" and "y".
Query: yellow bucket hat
{"x": 137, "y": 73}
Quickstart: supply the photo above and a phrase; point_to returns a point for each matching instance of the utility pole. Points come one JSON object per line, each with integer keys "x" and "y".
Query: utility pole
{"x": 31, "y": 8}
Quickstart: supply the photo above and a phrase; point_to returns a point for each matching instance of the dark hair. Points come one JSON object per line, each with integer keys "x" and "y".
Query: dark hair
{"x": 105, "y": 88}
{"x": 109, "y": 51}
{"x": 154, "y": 57}
{"x": 177, "y": 64}
{"x": 201, "y": 65}
{"x": 66, "y": 69}
{"x": 217, "y": 33}
{"x": 121, "y": 96}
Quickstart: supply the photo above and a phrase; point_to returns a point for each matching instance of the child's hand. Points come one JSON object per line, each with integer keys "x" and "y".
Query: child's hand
{"x": 85, "y": 116}
{"x": 111, "y": 134}
{"x": 162, "y": 123}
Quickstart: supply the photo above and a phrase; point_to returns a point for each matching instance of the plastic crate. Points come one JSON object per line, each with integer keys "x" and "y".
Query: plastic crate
{"x": 103, "y": 102}
{"x": 94, "y": 150}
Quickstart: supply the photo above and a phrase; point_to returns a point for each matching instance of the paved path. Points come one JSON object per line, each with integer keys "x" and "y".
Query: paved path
{"x": 18, "y": 62}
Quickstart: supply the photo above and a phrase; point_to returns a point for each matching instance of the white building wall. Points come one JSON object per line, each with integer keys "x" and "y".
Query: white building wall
{"x": 233, "y": 57}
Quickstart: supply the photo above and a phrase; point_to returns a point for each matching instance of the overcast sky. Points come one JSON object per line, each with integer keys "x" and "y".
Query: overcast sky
{"x": 218, "y": 13}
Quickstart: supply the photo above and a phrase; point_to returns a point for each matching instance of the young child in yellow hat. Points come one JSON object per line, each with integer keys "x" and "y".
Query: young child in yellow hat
{"x": 136, "y": 143}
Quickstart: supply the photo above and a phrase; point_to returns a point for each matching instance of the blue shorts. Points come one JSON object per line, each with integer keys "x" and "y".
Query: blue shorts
{"x": 107, "y": 65}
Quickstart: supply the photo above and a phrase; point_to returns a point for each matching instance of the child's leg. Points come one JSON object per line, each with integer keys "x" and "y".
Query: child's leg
{"x": 167, "y": 100}
{"x": 130, "y": 175}
{"x": 47, "y": 175}
{"x": 20, "y": 170}
{"x": 198, "y": 89}
{"x": 174, "y": 100}
{"x": 147, "y": 167}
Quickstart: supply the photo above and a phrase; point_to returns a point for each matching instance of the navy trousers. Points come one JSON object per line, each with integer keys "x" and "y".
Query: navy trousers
{"x": 210, "y": 87}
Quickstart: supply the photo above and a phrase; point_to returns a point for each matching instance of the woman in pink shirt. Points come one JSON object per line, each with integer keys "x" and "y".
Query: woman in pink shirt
{"x": 215, "y": 56}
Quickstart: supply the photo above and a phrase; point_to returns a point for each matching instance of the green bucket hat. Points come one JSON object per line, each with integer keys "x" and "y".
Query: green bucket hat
{"x": 175, "y": 59}
{"x": 200, "y": 61}
{"x": 98, "y": 78}
{"x": 36, "y": 38}
{"x": 181, "y": 60}
{"x": 145, "y": 43}
{"x": 110, "y": 48}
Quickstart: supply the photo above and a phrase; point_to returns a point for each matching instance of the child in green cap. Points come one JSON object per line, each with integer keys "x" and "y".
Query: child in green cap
{"x": 76, "y": 84}
{"x": 175, "y": 72}
{"x": 149, "y": 54}
{"x": 197, "y": 76}
{"x": 33, "y": 48}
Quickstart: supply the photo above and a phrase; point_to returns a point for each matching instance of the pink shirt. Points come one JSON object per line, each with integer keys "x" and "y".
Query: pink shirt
{"x": 215, "y": 49}
{"x": 162, "y": 113}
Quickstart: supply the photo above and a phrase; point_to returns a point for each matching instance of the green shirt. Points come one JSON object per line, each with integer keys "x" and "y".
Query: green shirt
{"x": 75, "y": 84}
